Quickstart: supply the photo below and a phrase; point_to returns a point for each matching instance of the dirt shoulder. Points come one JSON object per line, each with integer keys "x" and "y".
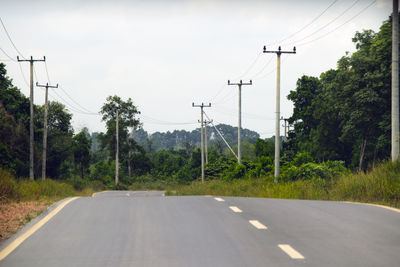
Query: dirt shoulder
{"x": 14, "y": 215}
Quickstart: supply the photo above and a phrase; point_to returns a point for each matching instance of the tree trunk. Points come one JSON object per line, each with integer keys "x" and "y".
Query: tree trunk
{"x": 362, "y": 153}
{"x": 82, "y": 171}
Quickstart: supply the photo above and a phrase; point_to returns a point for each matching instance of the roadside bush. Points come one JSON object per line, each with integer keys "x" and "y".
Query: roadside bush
{"x": 235, "y": 172}
{"x": 78, "y": 183}
{"x": 7, "y": 185}
{"x": 50, "y": 188}
{"x": 307, "y": 171}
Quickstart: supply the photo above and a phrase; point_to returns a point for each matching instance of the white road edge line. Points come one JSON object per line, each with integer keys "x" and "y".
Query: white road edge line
{"x": 258, "y": 225}
{"x": 219, "y": 199}
{"x": 294, "y": 254}
{"x": 235, "y": 209}
{"x": 13, "y": 245}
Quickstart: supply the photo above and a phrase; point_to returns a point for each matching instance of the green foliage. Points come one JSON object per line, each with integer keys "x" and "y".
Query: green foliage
{"x": 265, "y": 148}
{"x": 181, "y": 139}
{"x": 7, "y": 185}
{"x": 303, "y": 167}
{"x": 23, "y": 189}
{"x": 345, "y": 114}
{"x": 81, "y": 149}
{"x": 302, "y": 158}
{"x": 103, "y": 171}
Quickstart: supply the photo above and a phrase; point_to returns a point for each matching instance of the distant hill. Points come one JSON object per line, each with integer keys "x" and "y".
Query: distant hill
{"x": 181, "y": 138}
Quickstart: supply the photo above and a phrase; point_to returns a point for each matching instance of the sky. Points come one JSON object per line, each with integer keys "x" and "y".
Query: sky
{"x": 166, "y": 55}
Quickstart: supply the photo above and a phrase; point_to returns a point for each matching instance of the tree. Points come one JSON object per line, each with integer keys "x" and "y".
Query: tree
{"x": 126, "y": 120}
{"x": 345, "y": 114}
{"x": 81, "y": 149}
{"x": 127, "y": 112}
{"x": 59, "y": 137}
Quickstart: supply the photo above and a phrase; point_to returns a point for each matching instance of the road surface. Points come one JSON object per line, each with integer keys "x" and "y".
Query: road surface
{"x": 128, "y": 228}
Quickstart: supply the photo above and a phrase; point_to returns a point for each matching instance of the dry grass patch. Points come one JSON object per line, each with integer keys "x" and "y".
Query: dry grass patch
{"x": 14, "y": 215}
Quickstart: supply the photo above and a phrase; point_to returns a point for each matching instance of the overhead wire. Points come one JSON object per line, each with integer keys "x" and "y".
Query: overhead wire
{"x": 341, "y": 25}
{"x": 326, "y": 25}
{"x": 162, "y": 122}
{"x": 9, "y": 38}
{"x": 263, "y": 68}
{"x": 308, "y": 24}
{"x": 23, "y": 75}
{"x": 7, "y": 55}
{"x": 47, "y": 72}
{"x": 251, "y": 65}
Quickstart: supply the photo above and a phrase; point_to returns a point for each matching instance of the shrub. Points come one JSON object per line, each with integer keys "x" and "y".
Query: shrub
{"x": 7, "y": 185}
{"x": 307, "y": 171}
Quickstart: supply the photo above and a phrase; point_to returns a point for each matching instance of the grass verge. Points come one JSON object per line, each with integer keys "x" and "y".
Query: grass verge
{"x": 21, "y": 200}
{"x": 381, "y": 185}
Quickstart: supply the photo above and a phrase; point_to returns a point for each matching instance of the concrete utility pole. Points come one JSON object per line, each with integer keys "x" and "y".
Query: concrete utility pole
{"x": 31, "y": 133}
{"x": 116, "y": 150}
{"x": 395, "y": 81}
{"x": 240, "y": 116}
{"x": 205, "y": 138}
{"x": 202, "y": 137}
{"x": 277, "y": 115}
{"x": 46, "y": 107}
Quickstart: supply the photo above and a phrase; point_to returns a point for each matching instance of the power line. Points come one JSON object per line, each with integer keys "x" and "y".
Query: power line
{"x": 322, "y": 36}
{"x": 78, "y": 105}
{"x": 47, "y": 72}
{"x": 4, "y": 52}
{"x": 23, "y": 75}
{"x": 162, "y": 122}
{"x": 304, "y": 27}
{"x": 263, "y": 68}
{"x": 9, "y": 38}
{"x": 251, "y": 65}
{"x": 326, "y": 25}
{"x": 219, "y": 91}
{"x": 71, "y": 107}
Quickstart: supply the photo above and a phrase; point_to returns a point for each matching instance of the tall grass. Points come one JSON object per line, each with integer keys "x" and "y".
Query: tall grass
{"x": 12, "y": 189}
{"x": 380, "y": 185}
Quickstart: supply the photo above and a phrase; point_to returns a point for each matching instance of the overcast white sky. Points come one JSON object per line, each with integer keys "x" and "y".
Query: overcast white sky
{"x": 167, "y": 54}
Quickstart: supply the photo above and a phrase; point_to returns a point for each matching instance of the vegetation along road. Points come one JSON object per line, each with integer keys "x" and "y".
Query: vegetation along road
{"x": 145, "y": 228}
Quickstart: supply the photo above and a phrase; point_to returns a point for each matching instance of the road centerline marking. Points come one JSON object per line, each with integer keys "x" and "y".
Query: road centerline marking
{"x": 18, "y": 241}
{"x": 219, "y": 199}
{"x": 235, "y": 209}
{"x": 294, "y": 254}
{"x": 258, "y": 225}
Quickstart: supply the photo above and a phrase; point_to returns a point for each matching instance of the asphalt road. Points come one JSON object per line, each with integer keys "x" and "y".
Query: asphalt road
{"x": 128, "y": 228}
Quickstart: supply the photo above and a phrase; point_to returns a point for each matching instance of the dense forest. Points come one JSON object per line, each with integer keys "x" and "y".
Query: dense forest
{"x": 341, "y": 122}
